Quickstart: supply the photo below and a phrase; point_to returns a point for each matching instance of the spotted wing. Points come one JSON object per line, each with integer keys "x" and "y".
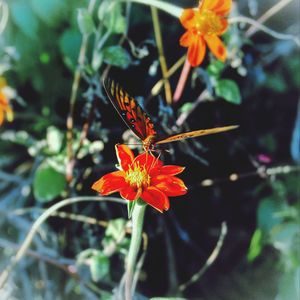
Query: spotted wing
{"x": 129, "y": 110}
{"x": 193, "y": 134}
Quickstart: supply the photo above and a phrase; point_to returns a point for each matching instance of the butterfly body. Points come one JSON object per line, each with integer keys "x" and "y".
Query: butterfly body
{"x": 141, "y": 124}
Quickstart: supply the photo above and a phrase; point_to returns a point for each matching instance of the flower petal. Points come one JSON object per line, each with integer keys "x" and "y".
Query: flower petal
{"x": 166, "y": 170}
{"x": 216, "y": 46}
{"x": 223, "y": 7}
{"x": 125, "y": 156}
{"x": 129, "y": 193}
{"x": 156, "y": 199}
{"x": 170, "y": 185}
{"x": 186, "y": 39}
{"x": 148, "y": 160}
{"x": 187, "y": 18}
{"x": 220, "y": 7}
{"x": 196, "y": 51}
{"x": 110, "y": 183}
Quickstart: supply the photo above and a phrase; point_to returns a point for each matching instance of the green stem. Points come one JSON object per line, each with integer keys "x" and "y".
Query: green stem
{"x": 135, "y": 243}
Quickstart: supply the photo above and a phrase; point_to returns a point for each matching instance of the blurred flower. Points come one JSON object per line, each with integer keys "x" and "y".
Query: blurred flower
{"x": 143, "y": 177}
{"x": 5, "y": 109}
{"x": 204, "y": 25}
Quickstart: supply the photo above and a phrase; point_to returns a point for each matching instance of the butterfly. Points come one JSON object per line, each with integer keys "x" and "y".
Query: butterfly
{"x": 141, "y": 124}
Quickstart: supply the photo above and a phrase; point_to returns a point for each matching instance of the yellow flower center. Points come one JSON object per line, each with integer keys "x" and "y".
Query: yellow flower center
{"x": 208, "y": 23}
{"x": 137, "y": 176}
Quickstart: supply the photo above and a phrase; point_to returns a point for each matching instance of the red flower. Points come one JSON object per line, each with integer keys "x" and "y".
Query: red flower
{"x": 204, "y": 25}
{"x": 143, "y": 177}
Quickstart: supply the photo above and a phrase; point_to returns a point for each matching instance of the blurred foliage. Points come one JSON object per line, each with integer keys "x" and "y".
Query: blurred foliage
{"x": 79, "y": 252}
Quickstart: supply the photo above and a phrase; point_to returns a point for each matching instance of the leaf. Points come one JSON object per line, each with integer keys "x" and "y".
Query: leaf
{"x": 116, "y": 56}
{"x": 111, "y": 15}
{"x": 69, "y": 44}
{"x": 115, "y": 227}
{"x": 99, "y": 266}
{"x": 25, "y": 19}
{"x": 187, "y": 107}
{"x": 47, "y": 183}
{"x": 228, "y": 90}
{"x": 50, "y": 11}
{"x": 54, "y": 139}
{"x": 267, "y": 214}
{"x": 85, "y": 22}
{"x": 255, "y": 245}
{"x": 215, "y": 68}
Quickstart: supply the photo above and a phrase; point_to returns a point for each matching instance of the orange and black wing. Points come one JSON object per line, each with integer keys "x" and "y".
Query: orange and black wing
{"x": 129, "y": 110}
{"x": 193, "y": 134}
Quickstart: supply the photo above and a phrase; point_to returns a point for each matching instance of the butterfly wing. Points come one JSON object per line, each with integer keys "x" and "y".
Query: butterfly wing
{"x": 129, "y": 110}
{"x": 193, "y": 134}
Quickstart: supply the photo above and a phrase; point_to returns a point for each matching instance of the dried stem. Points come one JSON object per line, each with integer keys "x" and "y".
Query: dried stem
{"x": 209, "y": 261}
{"x": 161, "y": 56}
{"x": 267, "y": 15}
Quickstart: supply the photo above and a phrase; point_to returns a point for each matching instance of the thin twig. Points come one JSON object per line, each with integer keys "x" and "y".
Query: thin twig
{"x": 158, "y": 86}
{"x": 40, "y": 220}
{"x": 205, "y": 95}
{"x": 75, "y": 86}
{"x": 256, "y": 24}
{"x": 267, "y": 15}
{"x": 209, "y": 261}
{"x": 161, "y": 56}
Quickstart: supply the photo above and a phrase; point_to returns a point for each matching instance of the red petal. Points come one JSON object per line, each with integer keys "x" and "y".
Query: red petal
{"x": 187, "y": 18}
{"x": 166, "y": 170}
{"x": 110, "y": 183}
{"x": 128, "y": 193}
{"x": 186, "y": 39}
{"x": 148, "y": 160}
{"x": 125, "y": 156}
{"x": 170, "y": 185}
{"x": 156, "y": 199}
{"x": 196, "y": 51}
{"x": 216, "y": 46}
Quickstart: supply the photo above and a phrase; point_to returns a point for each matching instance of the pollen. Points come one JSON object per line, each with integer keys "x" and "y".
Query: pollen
{"x": 137, "y": 176}
{"x": 208, "y": 23}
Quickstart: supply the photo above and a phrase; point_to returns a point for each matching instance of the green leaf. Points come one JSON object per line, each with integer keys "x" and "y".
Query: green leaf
{"x": 50, "y": 11}
{"x": 54, "y": 139}
{"x": 99, "y": 266}
{"x": 115, "y": 227}
{"x": 111, "y": 15}
{"x": 85, "y": 22}
{"x": 228, "y": 90}
{"x": 185, "y": 108}
{"x": 256, "y": 245}
{"x": 116, "y": 56}
{"x": 69, "y": 44}
{"x": 267, "y": 214}
{"x": 215, "y": 68}
{"x": 48, "y": 183}
{"x": 25, "y": 19}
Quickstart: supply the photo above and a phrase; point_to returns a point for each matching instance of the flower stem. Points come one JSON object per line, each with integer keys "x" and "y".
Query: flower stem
{"x": 182, "y": 81}
{"x": 135, "y": 243}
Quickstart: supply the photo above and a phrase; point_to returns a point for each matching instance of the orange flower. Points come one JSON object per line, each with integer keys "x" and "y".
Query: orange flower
{"x": 5, "y": 109}
{"x": 143, "y": 177}
{"x": 204, "y": 25}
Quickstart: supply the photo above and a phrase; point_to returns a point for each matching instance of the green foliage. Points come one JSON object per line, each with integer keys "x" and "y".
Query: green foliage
{"x": 116, "y": 56}
{"x": 228, "y": 90}
{"x": 48, "y": 183}
{"x": 85, "y": 22}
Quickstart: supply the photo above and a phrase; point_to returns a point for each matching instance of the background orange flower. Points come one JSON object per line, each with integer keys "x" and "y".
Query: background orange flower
{"x": 143, "y": 177}
{"x": 204, "y": 25}
{"x": 5, "y": 109}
